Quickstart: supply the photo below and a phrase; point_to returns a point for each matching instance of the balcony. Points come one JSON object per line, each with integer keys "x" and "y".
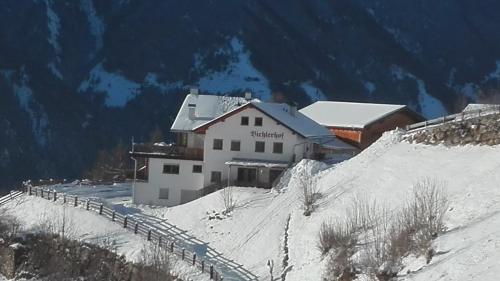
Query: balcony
{"x": 166, "y": 151}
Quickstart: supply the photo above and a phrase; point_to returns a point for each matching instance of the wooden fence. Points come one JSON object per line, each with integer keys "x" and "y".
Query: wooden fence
{"x": 453, "y": 117}
{"x": 129, "y": 223}
{"x": 9, "y": 197}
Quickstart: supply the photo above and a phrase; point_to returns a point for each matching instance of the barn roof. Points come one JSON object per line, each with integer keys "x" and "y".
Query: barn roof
{"x": 348, "y": 114}
{"x": 208, "y": 107}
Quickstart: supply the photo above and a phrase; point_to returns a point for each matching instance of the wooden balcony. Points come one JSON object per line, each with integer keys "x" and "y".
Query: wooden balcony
{"x": 167, "y": 151}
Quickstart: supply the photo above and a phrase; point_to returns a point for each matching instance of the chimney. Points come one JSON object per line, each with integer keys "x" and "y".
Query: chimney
{"x": 192, "y": 111}
{"x": 248, "y": 96}
{"x": 194, "y": 91}
{"x": 293, "y": 109}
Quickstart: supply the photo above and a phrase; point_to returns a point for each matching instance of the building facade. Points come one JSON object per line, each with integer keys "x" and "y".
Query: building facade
{"x": 223, "y": 141}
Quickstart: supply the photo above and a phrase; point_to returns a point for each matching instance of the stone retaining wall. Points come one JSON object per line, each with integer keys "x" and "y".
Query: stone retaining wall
{"x": 484, "y": 130}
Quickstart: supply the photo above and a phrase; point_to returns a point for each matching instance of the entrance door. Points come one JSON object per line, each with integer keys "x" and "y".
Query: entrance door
{"x": 247, "y": 176}
{"x": 273, "y": 175}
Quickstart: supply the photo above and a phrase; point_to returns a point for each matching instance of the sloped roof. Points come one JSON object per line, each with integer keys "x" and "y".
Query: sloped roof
{"x": 208, "y": 107}
{"x": 297, "y": 122}
{"x": 480, "y": 106}
{"x": 348, "y": 114}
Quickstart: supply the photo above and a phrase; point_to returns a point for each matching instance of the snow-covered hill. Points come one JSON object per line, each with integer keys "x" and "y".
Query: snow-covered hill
{"x": 385, "y": 172}
{"x": 254, "y": 232}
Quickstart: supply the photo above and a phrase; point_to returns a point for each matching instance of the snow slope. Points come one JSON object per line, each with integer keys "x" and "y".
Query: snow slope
{"x": 254, "y": 232}
{"x": 385, "y": 172}
{"x": 86, "y": 226}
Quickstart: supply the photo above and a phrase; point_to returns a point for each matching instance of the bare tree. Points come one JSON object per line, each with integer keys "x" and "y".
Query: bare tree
{"x": 310, "y": 194}
{"x": 228, "y": 199}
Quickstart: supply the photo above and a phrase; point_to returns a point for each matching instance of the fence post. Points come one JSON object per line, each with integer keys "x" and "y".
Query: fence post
{"x": 29, "y": 190}
{"x": 100, "y": 209}
{"x": 172, "y": 247}
{"x": 55, "y": 196}
{"x": 113, "y": 216}
{"x": 136, "y": 228}
{"x": 88, "y": 205}
{"x": 159, "y": 241}
{"x": 41, "y": 192}
{"x": 183, "y": 253}
{"x": 202, "y": 266}
{"x": 76, "y": 201}
{"x": 194, "y": 258}
{"x": 211, "y": 272}
{"x": 48, "y": 194}
{"x": 149, "y": 235}
{"x": 64, "y": 198}
{"x": 125, "y": 222}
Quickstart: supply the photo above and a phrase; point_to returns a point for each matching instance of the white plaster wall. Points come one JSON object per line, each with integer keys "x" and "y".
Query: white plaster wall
{"x": 231, "y": 129}
{"x": 148, "y": 192}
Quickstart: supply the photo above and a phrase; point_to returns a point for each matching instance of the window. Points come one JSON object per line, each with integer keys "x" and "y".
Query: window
{"x": 197, "y": 168}
{"x": 216, "y": 177}
{"x": 258, "y": 121}
{"x": 217, "y": 144}
{"x": 235, "y": 145}
{"x": 244, "y": 121}
{"x": 260, "y": 146}
{"x": 278, "y": 147}
{"x": 163, "y": 193}
{"x": 171, "y": 169}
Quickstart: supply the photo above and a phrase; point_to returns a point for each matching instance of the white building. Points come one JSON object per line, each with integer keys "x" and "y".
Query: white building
{"x": 227, "y": 141}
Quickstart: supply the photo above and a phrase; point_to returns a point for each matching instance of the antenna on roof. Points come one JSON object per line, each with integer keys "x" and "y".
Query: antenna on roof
{"x": 248, "y": 96}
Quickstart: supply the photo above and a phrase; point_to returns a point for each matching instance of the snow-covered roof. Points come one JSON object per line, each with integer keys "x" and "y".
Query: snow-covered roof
{"x": 256, "y": 163}
{"x": 208, "y": 107}
{"x": 285, "y": 115}
{"x": 296, "y": 121}
{"x": 333, "y": 142}
{"x": 348, "y": 114}
{"x": 478, "y": 106}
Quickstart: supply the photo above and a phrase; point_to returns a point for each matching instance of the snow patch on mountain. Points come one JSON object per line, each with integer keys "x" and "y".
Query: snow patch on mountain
{"x": 53, "y": 68}
{"x": 151, "y": 79}
{"x": 54, "y": 25}
{"x": 430, "y": 106}
{"x": 370, "y": 87}
{"x": 38, "y": 116}
{"x": 97, "y": 26}
{"x": 495, "y": 75}
{"x": 240, "y": 75}
{"x": 118, "y": 88}
{"x": 314, "y": 93}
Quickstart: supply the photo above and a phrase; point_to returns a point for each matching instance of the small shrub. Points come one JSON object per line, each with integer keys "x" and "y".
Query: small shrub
{"x": 310, "y": 194}
{"x": 9, "y": 226}
{"x": 155, "y": 264}
{"x": 336, "y": 236}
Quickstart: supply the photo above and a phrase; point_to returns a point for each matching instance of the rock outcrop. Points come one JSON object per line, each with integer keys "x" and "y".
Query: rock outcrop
{"x": 479, "y": 130}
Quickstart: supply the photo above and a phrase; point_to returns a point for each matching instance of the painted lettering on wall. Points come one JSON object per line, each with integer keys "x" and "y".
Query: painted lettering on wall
{"x": 267, "y": 135}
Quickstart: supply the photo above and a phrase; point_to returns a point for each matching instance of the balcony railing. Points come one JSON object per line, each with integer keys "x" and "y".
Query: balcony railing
{"x": 167, "y": 151}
